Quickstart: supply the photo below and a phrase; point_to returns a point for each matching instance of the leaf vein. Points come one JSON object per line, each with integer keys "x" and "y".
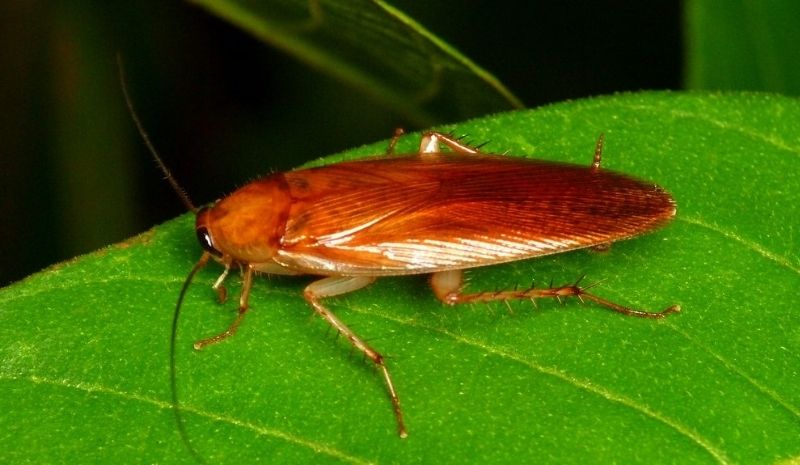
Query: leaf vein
{"x": 754, "y": 246}
{"x": 258, "y": 429}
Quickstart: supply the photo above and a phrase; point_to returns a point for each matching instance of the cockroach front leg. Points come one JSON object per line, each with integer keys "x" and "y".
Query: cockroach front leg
{"x": 331, "y": 286}
{"x": 222, "y": 293}
{"x": 447, "y": 286}
{"x": 247, "y": 283}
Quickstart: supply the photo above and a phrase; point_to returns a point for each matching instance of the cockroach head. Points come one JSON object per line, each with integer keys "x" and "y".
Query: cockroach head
{"x": 246, "y": 226}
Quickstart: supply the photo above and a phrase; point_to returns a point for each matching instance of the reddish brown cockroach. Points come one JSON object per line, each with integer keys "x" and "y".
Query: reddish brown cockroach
{"x": 426, "y": 212}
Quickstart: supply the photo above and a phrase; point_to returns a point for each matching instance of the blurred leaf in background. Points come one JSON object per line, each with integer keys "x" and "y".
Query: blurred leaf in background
{"x": 743, "y": 45}
{"x": 377, "y": 49}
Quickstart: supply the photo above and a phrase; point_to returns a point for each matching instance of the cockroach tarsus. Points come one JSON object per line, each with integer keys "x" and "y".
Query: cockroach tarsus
{"x": 429, "y": 212}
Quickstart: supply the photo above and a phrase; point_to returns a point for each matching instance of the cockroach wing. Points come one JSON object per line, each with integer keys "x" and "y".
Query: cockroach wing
{"x": 433, "y": 212}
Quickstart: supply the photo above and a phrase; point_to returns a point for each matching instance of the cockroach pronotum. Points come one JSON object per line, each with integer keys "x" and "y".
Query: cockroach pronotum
{"x": 429, "y": 212}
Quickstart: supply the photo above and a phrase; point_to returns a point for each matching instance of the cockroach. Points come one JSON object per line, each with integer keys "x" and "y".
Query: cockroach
{"x": 430, "y": 212}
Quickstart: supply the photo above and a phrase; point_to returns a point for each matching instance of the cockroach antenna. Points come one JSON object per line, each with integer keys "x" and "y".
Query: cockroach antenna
{"x": 199, "y": 265}
{"x": 187, "y": 202}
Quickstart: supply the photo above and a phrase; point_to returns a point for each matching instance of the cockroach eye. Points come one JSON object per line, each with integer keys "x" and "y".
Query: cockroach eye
{"x": 205, "y": 241}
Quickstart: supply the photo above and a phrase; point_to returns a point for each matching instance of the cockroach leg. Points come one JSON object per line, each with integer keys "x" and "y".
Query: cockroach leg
{"x": 222, "y": 293}
{"x": 447, "y": 286}
{"x": 398, "y": 133}
{"x": 247, "y": 283}
{"x": 336, "y": 285}
{"x": 598, "y": 152}
{"x": 431, "y": 141}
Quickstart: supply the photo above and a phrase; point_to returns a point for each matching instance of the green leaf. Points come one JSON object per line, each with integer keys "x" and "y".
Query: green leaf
{"x": 743, "y": 45}
{"x": 84, "y": 344}
{"x": 378, "y": 49}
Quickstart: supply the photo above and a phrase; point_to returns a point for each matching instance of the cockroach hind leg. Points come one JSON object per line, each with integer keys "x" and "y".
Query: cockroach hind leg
{"x": 447, "y": 286}
{"x": 576, "y": 290}
{"x": 247, "y": 283}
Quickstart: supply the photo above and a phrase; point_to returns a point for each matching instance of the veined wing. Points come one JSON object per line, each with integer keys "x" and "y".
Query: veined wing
{"x": 420, "y": 214}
